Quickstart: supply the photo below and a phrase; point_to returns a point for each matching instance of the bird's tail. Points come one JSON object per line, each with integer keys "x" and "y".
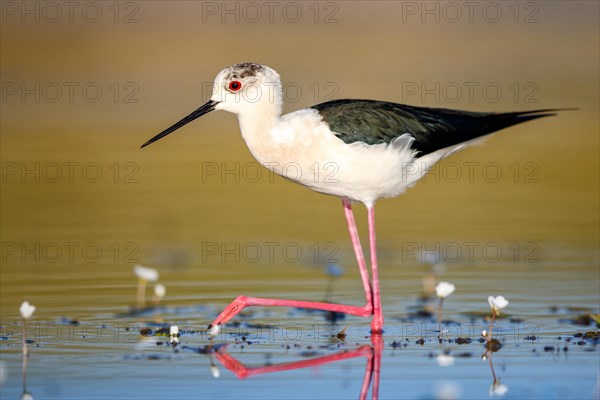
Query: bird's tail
{"x": 506, "y": 119}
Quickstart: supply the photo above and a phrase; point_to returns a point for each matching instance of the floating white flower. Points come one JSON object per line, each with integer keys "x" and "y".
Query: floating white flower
{"x": 27, "y": 310}
{"x": 213, "y": 330}
{"x": 444, "y": 360}
{"x": 498, "y": 389}
{"x": 160, "y": 291}
{"x": 444, "y": 289}
{"x": 145, "y": 273}
{"x": 497, "y": 303}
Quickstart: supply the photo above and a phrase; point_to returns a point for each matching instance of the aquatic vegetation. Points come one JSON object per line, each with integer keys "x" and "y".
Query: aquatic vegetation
{"x": 174, "y": 335}
{"x": 26, "y": 310}
{"x": 214, "y": 370}
{"x": 498, "y": 389}
{"x": 443, "y": 290}
{"x": 496, "y": 303}
{"x": 144, "y": 275}
{"x": 159, "y": 293}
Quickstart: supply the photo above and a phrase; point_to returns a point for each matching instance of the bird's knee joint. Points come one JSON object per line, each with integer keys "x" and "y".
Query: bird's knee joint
{"x": 240, "y": 301}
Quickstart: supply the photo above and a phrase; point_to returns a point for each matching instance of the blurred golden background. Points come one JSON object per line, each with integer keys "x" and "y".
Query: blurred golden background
{"x": 83, "y": 88}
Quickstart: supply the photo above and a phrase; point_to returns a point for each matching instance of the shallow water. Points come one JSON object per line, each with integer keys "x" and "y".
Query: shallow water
{"x": 81, "y": 204}
{"x": 98, "y": 352}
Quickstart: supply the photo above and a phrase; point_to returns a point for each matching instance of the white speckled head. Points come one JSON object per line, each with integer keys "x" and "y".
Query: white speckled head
{"x": 247, "y": 86}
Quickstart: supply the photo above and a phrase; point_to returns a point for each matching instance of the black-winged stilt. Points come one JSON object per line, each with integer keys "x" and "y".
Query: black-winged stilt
{"x": 358, "y": 150}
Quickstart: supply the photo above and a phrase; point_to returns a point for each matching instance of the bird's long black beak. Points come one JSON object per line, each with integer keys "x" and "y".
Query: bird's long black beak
{"x": 200, "y": 111}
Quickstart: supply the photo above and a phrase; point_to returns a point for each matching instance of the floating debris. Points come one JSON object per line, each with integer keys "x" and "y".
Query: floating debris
{"x": 210, "y": 348}
{"x": 341, "y": 334}
{"x": 591, "y": 336}
{"x": 493, "y": 345}
{"x": 463, "y": 340}
{"x": 68, "y": 321}
{"x": 586, "y": 319}
{"x": 146, "y": 332}
{"x": 165, "y": 331}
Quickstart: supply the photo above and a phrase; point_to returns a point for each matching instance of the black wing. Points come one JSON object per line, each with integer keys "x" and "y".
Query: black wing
{"x": 374, "y": 122}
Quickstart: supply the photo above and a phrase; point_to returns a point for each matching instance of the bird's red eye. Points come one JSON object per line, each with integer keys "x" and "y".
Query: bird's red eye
{"x": 234, "y": 86}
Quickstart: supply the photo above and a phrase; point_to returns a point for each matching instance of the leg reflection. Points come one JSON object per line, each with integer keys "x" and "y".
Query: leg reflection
{"x": 371, "y": 352}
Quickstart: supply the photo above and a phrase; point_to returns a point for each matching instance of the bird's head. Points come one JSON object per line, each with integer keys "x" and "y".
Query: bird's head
{"x": 246, "y": 88}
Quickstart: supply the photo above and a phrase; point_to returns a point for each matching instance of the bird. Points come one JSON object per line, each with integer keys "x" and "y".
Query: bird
{"x": 357, "y": 150}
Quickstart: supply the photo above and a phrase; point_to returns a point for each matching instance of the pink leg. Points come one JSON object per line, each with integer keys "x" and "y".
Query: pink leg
{"x": 242, "y": 301}
{"x": 377, "y": 322}
{"x": 368, "y": 376}
{"x": 377, "y": 341}
{"x": 360, "y": 258}
{"x": 371, "y": 353}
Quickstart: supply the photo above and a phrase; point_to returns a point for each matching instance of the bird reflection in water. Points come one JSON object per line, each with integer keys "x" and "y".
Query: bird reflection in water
{"x": 371, "y": 352}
